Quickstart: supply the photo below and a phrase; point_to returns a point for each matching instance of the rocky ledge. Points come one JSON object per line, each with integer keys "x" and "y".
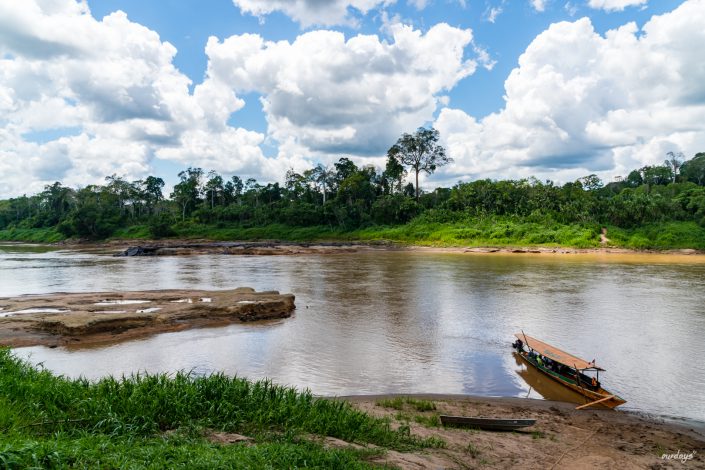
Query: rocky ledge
{"x": 180, "y": 248}
{"x": 90, "y": 318}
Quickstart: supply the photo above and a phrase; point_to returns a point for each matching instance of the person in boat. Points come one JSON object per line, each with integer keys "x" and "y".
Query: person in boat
{"x": 518, "y": 345}
{"x": 595, "y": 383}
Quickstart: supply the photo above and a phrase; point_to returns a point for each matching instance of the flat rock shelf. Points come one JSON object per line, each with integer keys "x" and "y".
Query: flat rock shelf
{"x": 108, "y": 317}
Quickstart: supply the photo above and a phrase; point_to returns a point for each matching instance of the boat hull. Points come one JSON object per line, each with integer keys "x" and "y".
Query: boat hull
{"x": 592, "y": 395}
{"x": 488, "y": 424}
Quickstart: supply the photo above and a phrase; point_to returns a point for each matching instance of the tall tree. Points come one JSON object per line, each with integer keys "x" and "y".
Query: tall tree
{"x": 187, "y": 191}
{"x": 152, "y": 187}
{"x": 694, "y": 169}
{"x": 674, "y": 162}
{"x": 323, "y": 177}
{"x": 213, "y": 187}
{"x": 421, "y": 152}
{"x": 393, "y": 175}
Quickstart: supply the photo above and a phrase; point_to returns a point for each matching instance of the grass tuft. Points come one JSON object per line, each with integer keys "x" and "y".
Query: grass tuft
{"x": 399, "y": 403}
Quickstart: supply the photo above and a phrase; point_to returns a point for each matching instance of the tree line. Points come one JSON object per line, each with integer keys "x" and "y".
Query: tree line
{"x": 346, "y": 197}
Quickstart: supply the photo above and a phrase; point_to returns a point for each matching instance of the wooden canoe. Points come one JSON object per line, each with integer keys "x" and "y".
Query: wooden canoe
{"x": 488, "y": 424}
{"x": 598, "y": 395}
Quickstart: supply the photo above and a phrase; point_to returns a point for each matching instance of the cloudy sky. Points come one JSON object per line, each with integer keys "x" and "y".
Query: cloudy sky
{"x": 552, "y": 88}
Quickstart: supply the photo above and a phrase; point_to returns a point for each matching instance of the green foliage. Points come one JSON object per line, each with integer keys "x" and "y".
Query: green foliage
{"x": 432, "y": 421}
{"x": 33, "y": 235}
{"x": 668, "y": 235}
{"x": 347, "y": 202}
{"x": 159, "y": 421}
{"x": 399, "y": 403}
{"x": 419, "y": 151}
{"x": 160, "y": 225}
{"x": 473, "y": 450}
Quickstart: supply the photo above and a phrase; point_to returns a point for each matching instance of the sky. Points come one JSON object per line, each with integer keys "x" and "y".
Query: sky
{"x": 554, "y": 89}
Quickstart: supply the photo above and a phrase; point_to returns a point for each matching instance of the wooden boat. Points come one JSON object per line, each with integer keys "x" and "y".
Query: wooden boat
{"x": 568, "y": 370}
{"x": 488, "y": 424}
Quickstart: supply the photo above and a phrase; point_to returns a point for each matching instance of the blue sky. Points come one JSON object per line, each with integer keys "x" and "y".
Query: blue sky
{"x": 188, "y": 24}
{"x": 134, "y": 87}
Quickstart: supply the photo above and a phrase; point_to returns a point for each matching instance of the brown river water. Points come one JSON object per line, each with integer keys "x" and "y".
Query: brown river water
{"x": 407, "y": 322}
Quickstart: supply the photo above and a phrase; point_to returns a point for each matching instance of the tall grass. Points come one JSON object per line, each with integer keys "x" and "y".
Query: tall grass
{"x": 34, "y": 235}
{"x": 54, "y": 418}
{"x": 460, "y": 231}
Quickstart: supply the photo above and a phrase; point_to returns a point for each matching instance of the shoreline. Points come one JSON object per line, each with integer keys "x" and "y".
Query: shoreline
{"x": 185, "y": 247}
{"x": 586, "y": 438}
{"x": 679, "y": 423}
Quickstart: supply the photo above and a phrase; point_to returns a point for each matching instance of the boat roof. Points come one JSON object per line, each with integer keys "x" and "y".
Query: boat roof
{"x": 556, "y": 354}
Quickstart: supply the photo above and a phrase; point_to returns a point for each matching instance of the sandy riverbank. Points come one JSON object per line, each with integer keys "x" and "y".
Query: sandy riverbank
{"x": 185, "y": 247}
{"x": 100, "y": 317}
{"x": 561, "y": 438}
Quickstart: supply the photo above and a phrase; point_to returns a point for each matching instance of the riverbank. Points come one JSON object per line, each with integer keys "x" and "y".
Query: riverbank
{"x": 88, "y": 319}
{"x": 217, "y": 421}
{"x": 185, "y": 247}
{"x": 562, "y": 437}
{"x": 477, "y": 232}
{"x": 180, "y": 420}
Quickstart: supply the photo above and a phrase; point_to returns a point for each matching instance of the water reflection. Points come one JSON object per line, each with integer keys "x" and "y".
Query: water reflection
{"x": 405, "y": 322}
{"x": 542, "y": 386}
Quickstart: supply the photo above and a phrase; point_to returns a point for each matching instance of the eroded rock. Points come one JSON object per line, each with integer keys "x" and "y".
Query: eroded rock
{"x": 108, "y": 317}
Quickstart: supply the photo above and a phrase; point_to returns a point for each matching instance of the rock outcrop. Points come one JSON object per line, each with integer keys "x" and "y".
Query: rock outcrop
{"x": 109, "y": 317}
{"x": 176, "y": 248}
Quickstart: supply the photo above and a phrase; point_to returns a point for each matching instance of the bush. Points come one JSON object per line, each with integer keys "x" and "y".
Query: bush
{"x": 160, "y": 226}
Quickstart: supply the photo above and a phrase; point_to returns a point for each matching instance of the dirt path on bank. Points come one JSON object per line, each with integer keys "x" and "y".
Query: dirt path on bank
{"x": 561, "y": 438}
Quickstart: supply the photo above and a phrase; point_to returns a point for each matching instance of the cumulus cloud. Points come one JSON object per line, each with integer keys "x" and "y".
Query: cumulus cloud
{"x": 580, "y": 102}
{"x": 114, "y": 83}
{"x": 324, "y": 94}
{"x": 615, "y": 5}
{"x": 312, "y": 12}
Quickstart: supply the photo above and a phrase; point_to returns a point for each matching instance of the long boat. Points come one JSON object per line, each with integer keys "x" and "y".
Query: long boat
{"x": 488, "y": 424}
{"x": 566, "y": 369}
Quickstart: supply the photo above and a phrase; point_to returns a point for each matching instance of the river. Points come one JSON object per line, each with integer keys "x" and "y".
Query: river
{"x": 406, "y": 322}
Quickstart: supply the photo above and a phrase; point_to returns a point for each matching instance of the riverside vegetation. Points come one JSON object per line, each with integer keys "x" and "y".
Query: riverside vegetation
{"x": 160, "y": 421}
{"x": 654, "y": 207}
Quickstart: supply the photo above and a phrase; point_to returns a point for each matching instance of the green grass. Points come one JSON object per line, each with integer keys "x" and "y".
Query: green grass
{"x": 668, "y": 235}
{"x": 432, "y": 421}
{"x": 472, "y": 231}
{"x": 159, "y": 421}
{"x": 33, "y": 235}
{"x": 399, "y": 403}
{"x": 489, "y": 231}
{"x": 473, "y": 450}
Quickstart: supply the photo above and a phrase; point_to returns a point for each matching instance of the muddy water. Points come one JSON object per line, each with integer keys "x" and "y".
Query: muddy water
{"x": 379, "y": 322}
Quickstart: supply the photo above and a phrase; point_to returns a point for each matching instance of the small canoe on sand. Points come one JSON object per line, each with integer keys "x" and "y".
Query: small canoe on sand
{"x": 488, "y": 424}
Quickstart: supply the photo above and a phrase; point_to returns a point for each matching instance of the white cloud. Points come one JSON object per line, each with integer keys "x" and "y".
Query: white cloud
{"x": 615, "y": 5}
{"x": 81, "y": 98}
{"x": 580, "y": 102}
{"x": 323, "y": 94}
{"x": 539, "y": 5}
{"x": 492, "y": 13}
{"x": 419, "y": 4}
{"x": 313, "y": 12}
{"x": 113, "y": 84}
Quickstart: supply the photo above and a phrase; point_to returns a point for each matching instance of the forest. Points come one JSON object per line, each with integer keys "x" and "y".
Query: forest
{"x": 661, "y": 206}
